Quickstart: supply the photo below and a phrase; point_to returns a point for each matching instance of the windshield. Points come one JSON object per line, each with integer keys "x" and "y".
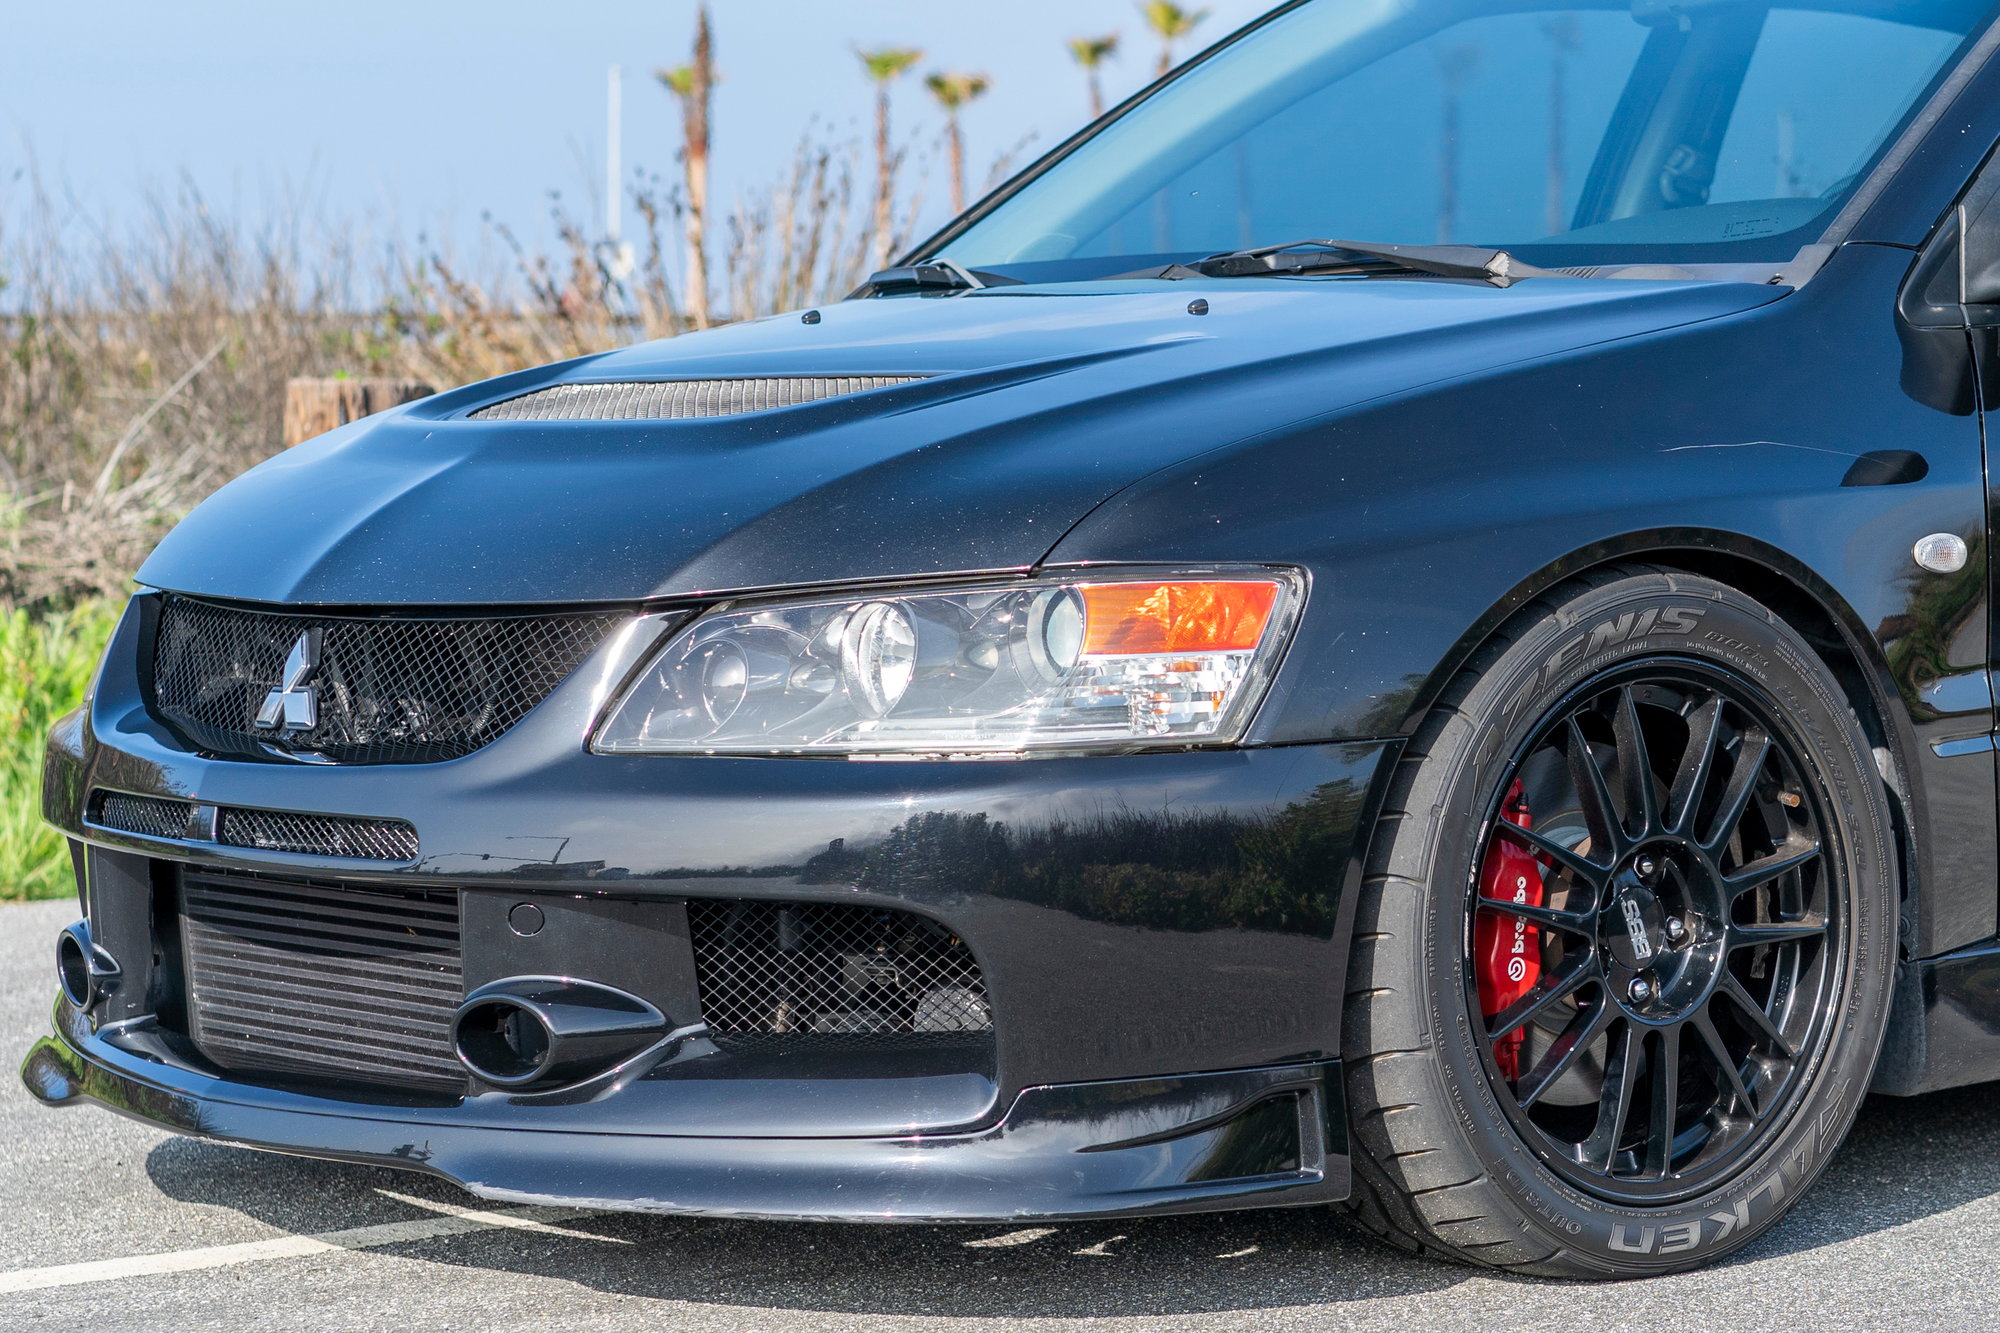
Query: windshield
{"x": 1646, "y": 131}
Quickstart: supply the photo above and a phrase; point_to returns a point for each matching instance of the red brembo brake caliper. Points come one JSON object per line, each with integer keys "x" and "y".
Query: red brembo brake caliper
{"x": 1506, "y": 949}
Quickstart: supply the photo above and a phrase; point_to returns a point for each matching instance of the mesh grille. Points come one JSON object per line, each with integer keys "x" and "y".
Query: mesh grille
{"x": 337, "y": 980}
{"x": 672, "y": 400}
{"x": 388, "y": 690}
{"x": 147, "y": 816}
{"x": 318, "y": 835}
{"x": 264, "y": 830}
{"x": 831, "y": 975}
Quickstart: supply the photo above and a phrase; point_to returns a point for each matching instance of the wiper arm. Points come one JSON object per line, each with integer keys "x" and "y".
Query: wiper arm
{"x": 1334, "y": 257}
{"x": 936, "y": 275}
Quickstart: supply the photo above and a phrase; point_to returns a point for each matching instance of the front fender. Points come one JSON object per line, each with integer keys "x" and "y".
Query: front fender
{"x": 1428, "y": 519}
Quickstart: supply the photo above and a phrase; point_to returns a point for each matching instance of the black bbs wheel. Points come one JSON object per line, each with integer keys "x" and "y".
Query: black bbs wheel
{"x": 1622, "y": 959}
{"x": 1682, "y": 939}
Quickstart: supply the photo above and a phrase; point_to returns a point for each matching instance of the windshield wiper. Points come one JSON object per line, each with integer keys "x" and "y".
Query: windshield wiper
{"x": 1337, "y": 257}
{"x": 936, "y": 275}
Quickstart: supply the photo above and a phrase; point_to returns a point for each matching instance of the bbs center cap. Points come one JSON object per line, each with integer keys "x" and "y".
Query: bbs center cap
{"x": 1635, "y": 927}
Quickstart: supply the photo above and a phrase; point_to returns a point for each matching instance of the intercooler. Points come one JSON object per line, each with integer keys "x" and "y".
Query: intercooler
{"x": 330, "y": 979}
{"x": 356, "y": 982}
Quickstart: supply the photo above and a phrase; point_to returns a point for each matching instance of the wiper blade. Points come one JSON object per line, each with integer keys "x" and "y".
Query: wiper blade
{"x": 1335, "y": 257}
{"x": 937, "y": 275}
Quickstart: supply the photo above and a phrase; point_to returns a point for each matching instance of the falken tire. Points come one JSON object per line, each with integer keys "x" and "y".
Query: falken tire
{"x": 1441, "y": 1162}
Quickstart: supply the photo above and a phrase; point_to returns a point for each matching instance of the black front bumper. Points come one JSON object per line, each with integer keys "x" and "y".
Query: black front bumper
{"x": 1162, "y": 939}
{"x": 1186, "y": 1144}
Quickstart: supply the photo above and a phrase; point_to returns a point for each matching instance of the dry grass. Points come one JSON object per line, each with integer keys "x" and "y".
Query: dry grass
{"x": 140, "y": 371}
{"x": 104, "y": 436}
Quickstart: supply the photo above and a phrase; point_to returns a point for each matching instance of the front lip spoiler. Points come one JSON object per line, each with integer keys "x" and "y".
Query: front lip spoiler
{"x": 1062, "y": 1152}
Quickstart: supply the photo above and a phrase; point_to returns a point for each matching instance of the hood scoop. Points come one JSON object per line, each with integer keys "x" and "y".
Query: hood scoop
{"x": 677, "y": 400}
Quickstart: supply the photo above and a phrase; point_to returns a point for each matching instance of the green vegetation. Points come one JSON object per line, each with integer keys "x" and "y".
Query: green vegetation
{"x": 45, "y": 664}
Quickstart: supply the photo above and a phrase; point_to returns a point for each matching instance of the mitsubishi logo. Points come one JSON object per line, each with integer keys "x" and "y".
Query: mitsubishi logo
{"x": 295, "y": 703}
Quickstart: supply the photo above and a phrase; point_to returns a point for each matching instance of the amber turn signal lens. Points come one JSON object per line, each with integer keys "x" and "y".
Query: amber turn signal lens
{"x": 1130, "y": 619}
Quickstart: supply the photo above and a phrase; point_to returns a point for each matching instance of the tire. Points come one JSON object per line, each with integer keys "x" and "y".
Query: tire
{"x": 1649, "y": 1178}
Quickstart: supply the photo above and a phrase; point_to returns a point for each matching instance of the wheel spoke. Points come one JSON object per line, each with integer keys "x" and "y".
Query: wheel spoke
{"x": 1584, "y": 1029}
{"x": 1755, "y": 1012}
{"x": 1594, "y": 793}
{"x": 1689, "y": 795}
{"x": 1742, "y": 786}
{"x": 1578, "y": 865}
{"x": 1666, "y": 1090}
{"x": 1635, "y": 764}
{"x": 1547, "y": 993}
{"x": 1697, "y": 763}
{"x": 1775, "y": 932}
{"x": 1614, "y": 1103}
{"x": 1555, "y": 918}
{"x": 1704, "y": 1023}
{"x": 1765, "y": 869}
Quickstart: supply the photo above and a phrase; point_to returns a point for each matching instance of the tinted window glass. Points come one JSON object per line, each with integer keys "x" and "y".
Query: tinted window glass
{"x": 1643, "y": 130}
{"x": 1450, "y": 138}
{"x": 1821, "y": 92}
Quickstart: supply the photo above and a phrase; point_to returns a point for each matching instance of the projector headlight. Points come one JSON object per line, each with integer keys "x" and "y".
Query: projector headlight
{"x": 1084, "y": 662}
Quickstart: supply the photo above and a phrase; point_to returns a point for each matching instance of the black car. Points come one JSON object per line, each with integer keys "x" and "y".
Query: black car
{"x": 1404, "y": 621}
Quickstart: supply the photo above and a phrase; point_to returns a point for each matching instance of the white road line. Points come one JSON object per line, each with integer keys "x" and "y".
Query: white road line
{"x": 1027, "y": 1237}
{"x": 519, "y": 1219}
{"x": 454, "y": 1222}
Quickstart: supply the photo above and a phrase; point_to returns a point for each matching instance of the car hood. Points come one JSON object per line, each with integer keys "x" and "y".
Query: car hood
{"x": 1036, "y": 405}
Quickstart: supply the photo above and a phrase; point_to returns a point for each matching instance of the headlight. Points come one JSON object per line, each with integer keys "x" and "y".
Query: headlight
{"x": 1099, "y": 661}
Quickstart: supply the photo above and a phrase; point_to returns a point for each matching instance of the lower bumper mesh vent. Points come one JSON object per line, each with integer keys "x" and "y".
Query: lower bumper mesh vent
{"x": 832, "y": 976}
{"x": 147, "y": 816}
{"x": 317, "y": 835}
{"x": 344, "y": 836}
{"x": 310, "y": 977}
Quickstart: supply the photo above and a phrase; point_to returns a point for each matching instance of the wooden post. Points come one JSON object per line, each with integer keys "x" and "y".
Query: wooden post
{"x": 316, "y": 406}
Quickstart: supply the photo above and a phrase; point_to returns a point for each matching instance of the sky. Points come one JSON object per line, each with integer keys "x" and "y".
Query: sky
{"x": 422, "y": 117}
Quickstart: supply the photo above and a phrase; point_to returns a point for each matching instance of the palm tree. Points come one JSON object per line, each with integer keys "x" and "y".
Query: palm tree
{"x": 884, "y": 66}
{"x": 694, "y": 85}
{"x": 1091, "y": 52}
{"x": 1171, "y": 23}
{"x": 954, "y": 92}
{"x": 1791, "y": 181}
{"x": 1455, "y": 68}
{"x": 1565, "y": 36}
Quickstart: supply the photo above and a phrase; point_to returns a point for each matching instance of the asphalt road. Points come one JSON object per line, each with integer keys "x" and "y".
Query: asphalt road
{"x": 1903, "y": 1233}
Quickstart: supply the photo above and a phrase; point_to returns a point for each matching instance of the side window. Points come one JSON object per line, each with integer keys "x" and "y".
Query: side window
{"x": 1822, "y": 92}
{"x": 1974, "y": 279}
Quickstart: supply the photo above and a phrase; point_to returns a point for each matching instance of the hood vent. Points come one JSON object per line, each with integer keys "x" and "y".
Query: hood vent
{"x": 678, "y": 400}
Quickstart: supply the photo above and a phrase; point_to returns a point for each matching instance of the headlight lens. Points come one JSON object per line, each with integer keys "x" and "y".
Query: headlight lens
{"x": 1087, "y": 662}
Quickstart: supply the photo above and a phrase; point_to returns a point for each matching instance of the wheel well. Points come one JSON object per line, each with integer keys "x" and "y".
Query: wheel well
{"x": 1810, "y": 617}
{"x": 1862, "y": 680}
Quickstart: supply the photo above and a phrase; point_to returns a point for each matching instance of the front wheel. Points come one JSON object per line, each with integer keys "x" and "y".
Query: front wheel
{"x": 1623, "y": 957}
